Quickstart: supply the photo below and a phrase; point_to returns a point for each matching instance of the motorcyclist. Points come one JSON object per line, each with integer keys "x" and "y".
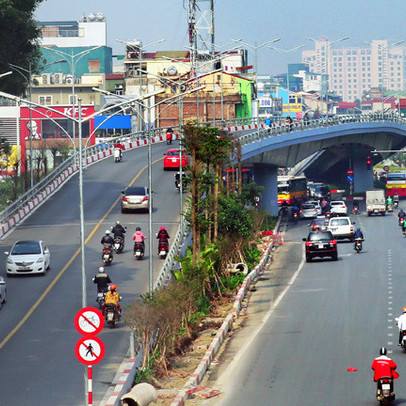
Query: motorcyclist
{"x": 389, "y": 201}
{"x": 384, "y": 367}
{"x": 102, "y": 280}
{"x": 404, "y": 225}
{"x": 162, "y": 236}
{"x": 295, "y": 210}
{"x": 396, "y": 198}
{"x": 118, "y": 230}
{"x": 169, "y": 133}
{"x": 401, "y": 214}
{"x": 112, "y": 297}
{"x": 355, "y": 206}
{"x": 402, "y": 324}
{"x": 107, "y": 239}
{"x": 358, "y": 234}
{"x": 139, "y": 236}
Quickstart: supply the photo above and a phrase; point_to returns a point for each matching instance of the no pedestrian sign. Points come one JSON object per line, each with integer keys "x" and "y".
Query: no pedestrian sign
{"x": 89, "y": 350}
{"x": 89, "y": 321}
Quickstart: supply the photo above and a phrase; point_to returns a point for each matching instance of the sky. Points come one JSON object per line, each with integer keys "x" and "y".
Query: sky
{"x": 255, "y": 22}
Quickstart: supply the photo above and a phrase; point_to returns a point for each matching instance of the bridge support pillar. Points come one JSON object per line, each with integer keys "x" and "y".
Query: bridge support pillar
{"x": 266, "y": 175}
{"x": 363, "y": 177}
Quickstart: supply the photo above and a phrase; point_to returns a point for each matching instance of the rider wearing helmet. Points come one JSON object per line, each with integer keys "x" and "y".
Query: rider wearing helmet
{"x": 384, "y": 367}
{"x": 107, "y": 239}
{"x": 162, "y": 235}
{"x": 139, "y": 236}
{"x": 358, "y": 234}
{"x": 102, "y": 280}
{"x": 112, "y": 297}
{"x": 402, "y": 324}
{"x": 118, "y": 230}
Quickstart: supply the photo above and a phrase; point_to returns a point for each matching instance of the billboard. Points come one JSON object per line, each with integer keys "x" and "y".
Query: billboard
{"x": 50, "y": 128}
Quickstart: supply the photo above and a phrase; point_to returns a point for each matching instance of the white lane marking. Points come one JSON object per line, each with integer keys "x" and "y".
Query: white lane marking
{"x": 390, "y": 335}
{"x": 390, "y": 342}
{"x": 231, "y": 368}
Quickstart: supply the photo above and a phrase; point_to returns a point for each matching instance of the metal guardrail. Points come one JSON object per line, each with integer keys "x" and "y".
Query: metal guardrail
{"x": 282, "y": 128}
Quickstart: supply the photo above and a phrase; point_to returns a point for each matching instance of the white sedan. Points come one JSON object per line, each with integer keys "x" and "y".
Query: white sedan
{"x": 338, "y": 208}
{"x": 28, "y": 257}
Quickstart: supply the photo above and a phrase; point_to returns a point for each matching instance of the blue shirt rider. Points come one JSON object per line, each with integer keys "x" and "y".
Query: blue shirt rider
{"x": 358, "y": 234}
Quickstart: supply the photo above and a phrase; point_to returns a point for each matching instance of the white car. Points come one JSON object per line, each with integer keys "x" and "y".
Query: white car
{"x": 3, "y": 291}
{"x": 28, "y": 257}
{"x": 338, "y": 208}
{"x": 308, "y": 211}
{"x": 317, "y": 204}
{"x": 341, "y": 227}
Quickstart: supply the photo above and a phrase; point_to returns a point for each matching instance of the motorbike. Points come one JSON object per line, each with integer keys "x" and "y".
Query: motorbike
{"x": 117, "y": 154}
{"x": 101, "y": 294}
{"x": 177, "y": 181}
{"x": 107, "y": 255}
{"x": 118, "y": 244}
{"x": 168, "y": 138}
{"x": 358, "y": 245}
{"x": 138, "y": 250}
{"x": 111, "y": 314}
{"x": 395, "y": 204}
{"x": 355, "y": 210}
{"x": 401, "y": 219}
{"x": 383, "y": 391}
{"x": 295, "y": 216}
{"x": 390, "y": 208}
{"x": 163, "y": 248}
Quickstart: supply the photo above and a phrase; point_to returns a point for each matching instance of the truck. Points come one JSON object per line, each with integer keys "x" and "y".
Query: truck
{"x": 376, "y": 202}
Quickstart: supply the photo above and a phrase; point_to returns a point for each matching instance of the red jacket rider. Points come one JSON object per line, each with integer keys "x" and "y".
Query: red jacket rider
{"x": 384, "y": 367}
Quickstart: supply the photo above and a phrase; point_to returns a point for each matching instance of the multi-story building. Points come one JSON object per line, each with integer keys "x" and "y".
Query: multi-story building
{"x": 354, "y": 71}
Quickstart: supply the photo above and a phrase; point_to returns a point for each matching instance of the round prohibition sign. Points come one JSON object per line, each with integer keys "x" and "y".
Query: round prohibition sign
{"x": 89, "y": 321}
{"x": 89, "y": 350}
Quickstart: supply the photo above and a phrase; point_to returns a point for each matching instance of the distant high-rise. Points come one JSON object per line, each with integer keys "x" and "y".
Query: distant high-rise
{"x": 353, "y": 71}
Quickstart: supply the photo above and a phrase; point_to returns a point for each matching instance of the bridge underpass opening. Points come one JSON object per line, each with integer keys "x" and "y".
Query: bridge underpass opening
{"x": 266, "y": 175}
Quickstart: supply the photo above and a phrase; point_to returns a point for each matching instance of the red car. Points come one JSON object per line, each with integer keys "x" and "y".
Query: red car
{"x": 172, "y": 159}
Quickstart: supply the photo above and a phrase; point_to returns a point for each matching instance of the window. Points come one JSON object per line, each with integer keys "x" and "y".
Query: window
{"x": 73, "y": 99}
{"x": 45, "y": 100}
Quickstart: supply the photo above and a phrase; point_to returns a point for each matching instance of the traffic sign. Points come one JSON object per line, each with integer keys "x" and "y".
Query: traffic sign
{"x": 350, "y": 178}
{"x": 89, "y": 350}
{"x": 386, "y": 168}
{"x": 89, "y": 321}
{"x": 350, "y": 172}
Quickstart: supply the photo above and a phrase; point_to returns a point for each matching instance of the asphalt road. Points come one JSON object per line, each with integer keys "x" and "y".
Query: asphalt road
{"x": 37, "y": 334}
{"x": 333, "y": 315}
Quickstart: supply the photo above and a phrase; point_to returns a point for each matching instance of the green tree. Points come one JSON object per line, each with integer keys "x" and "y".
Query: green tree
{"x": 19, "y": 41}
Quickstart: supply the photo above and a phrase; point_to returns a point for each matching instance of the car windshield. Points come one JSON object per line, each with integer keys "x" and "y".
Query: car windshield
{"x": 172, "y": 153}
{"x": 135, "y": 191}
{"x": 308, "y": 206}
{"x": 26, "y": 248}
{"x": 339, "y": 222}
{"x": 326, "y": 235}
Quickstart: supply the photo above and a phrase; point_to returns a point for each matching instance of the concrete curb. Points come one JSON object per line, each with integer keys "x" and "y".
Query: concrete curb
{"x": 54, "y": 186}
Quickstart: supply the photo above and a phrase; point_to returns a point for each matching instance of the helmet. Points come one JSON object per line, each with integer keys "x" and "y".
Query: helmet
{"x": 114, "y": 287}
{"x": 118, "y": 222}
{"x": 107, "y": 232}
{"x": 358, "y": 229}
{"x": 138, "y": 229}
{"x": 101, "y": 269}
{"x": 404, "y": 310}
{"x": 162, "y": 228}
{"x": 382, "y": 351}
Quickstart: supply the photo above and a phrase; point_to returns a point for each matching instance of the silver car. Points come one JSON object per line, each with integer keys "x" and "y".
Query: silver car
{"x": 28, "y": 257}
{"x": 135, "y": 198}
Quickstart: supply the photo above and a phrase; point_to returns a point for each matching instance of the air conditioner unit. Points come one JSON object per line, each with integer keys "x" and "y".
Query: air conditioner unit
{"x": 58, "y": 78}
{"x": 46, "y": 78}
{"x": 69, "y": 81}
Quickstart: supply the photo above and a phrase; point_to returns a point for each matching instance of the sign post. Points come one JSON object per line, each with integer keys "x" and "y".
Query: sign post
{"x": 89, "y": 349}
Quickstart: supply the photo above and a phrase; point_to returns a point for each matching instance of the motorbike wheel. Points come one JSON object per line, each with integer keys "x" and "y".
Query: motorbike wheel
{"x": 110, "y": 324}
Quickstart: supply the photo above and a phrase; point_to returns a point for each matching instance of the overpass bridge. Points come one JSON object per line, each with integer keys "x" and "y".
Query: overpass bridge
{"x": 345, "y": 140}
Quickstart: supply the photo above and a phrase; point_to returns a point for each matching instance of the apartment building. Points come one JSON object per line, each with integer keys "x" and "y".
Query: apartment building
{"x": 354, "y": 71}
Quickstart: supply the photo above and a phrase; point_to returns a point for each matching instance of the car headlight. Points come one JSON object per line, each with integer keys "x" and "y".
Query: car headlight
{"x": 39, "y": 260}
{"x": 10, "y": 261}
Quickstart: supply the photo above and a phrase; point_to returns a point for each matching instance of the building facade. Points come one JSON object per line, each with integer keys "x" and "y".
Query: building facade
{"x": 354, "y": 71}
